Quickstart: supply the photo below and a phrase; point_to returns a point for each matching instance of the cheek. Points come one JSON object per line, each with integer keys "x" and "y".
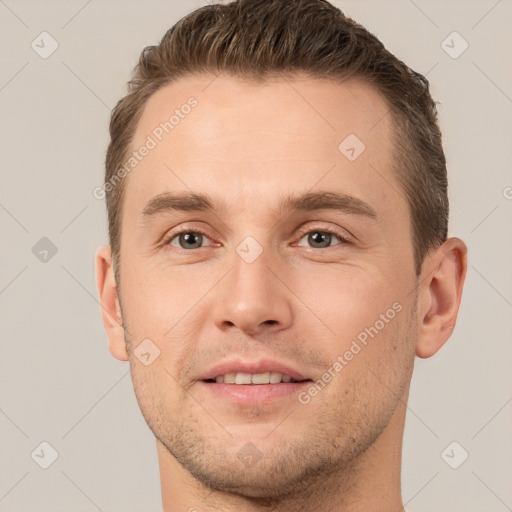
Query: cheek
{"x": 143, "y": 379}
{"x": 375, "y": 363}
{"x": 156, "y": 297}
{"x": 346, "y": 300}
{"x": 157, "y": 381}
{"x": 164, "y": 305}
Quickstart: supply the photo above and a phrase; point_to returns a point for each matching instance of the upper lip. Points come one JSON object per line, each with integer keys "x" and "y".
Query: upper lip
{"x": 259, "y": 366}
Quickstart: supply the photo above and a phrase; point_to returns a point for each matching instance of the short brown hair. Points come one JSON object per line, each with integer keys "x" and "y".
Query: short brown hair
{"x": 257, "y": 39}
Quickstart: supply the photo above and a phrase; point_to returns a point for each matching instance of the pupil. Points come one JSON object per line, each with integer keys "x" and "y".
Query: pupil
{"x": 319, "y": 238}
{"x": 188, "y": 238}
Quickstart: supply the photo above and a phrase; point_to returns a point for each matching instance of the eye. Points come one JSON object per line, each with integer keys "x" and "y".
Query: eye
{"x": 316, "y": 238}
{"x": 187, "y": 239}
{"x": 322, "y": 238}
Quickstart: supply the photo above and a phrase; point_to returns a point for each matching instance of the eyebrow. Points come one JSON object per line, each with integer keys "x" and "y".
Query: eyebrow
{"x": 310, "y": 201}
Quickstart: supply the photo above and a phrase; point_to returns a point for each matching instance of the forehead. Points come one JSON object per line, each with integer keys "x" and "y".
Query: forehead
{"x": 207, "y": 130}
{"x": 316, "y": 111}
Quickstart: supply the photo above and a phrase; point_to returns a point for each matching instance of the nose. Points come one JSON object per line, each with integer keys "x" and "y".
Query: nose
{"x": 252, "y": 298}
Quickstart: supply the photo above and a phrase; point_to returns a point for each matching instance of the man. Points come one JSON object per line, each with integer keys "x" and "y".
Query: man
{"x": 277, "y": 200}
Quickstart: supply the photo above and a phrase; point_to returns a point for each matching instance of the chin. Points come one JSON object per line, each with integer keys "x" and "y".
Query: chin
{"x": 273, "y": 474}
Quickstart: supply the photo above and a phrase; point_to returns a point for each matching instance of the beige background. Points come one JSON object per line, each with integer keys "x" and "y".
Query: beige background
{"x": 59, "y": 384}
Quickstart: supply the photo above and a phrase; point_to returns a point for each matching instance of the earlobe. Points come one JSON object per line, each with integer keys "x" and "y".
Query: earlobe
{"x": 109, "y": 301}
{"x": 440, "y": 294}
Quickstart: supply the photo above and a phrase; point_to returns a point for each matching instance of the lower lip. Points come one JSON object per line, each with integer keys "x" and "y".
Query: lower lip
{"x": 250, "y": 394}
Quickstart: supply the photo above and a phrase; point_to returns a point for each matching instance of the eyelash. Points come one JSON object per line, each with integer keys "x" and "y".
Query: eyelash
{"x": 343, "y": 239}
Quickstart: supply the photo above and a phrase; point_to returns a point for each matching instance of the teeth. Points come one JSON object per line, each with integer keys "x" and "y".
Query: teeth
{"x": 275, "y": 377}
{"x": 243, "y": 378}
{"x": 229, "y": 378}
{"x": 253, "y": 378}
{"x": 260, "y": 378}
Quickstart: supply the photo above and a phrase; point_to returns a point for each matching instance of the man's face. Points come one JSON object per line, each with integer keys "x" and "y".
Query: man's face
{"x": 264, "y": 288}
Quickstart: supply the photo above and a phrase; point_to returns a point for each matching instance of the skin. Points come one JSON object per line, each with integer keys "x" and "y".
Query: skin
{"x": 249, "y": 145}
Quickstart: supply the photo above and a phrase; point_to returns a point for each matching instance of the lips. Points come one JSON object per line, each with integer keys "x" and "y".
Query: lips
{"x": 239, "y": 383}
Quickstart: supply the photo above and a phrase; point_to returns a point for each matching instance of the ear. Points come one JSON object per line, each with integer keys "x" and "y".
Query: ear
{"x": 109, "y": 301}
{"x": 440, "y": 291}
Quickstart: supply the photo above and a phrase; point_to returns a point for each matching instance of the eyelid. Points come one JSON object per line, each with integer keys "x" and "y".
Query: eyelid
{"x": 171, "y": 235}
{"x": 344, "y": 236}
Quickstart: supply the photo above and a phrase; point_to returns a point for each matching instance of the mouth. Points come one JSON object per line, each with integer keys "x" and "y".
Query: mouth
{"x": 256, "y": 379}
{"x": 245, "y": 384}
